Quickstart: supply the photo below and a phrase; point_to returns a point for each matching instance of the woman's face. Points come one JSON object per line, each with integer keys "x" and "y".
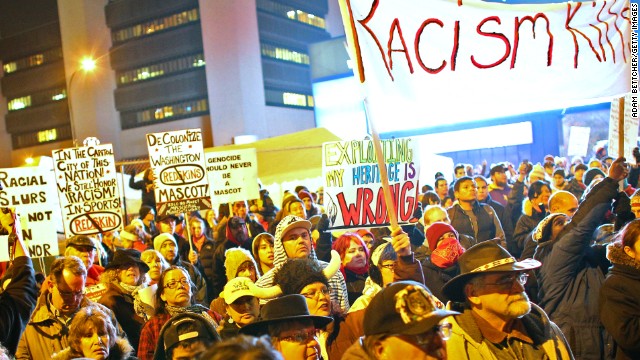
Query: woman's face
{"x": 244, "y": 310}
{"x": 318, "y": 299}
{"x": 355, "y": 257}
{"x": 265, "y": 253}
{"x": 130, "y": 275}
{"x": 297, "y": 209}
{"x": 107, "y": 238}
{"x": 247, "y": 270}
{"x": 155, "y": 268}
{"x": 386, "y": 269}
{"x": 177, "y": 289}
{"x": 95, "y": 344}
{"x": 210, "y": 217}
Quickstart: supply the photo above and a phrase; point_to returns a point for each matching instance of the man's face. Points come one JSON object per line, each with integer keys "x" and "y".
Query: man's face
{"x": 499, "y": 178}
{"x": 240, "y": 233}
{"x": 435, "y": 214}
{"x": 67, "y": 292}
{"x": 244, "y": 310}
{"x": 579, "y": 174}
{"x": 297, "y": 243}
{"x": 460, "y": 173}
{"x": 240, "y": 209}
{"x": 558, "y": 180}
{"x": 86, "y": 253}
{"x": 188, "y": 352}
{"x": 168, "y": 250}
{"x": 427, "y": 346}
{"x": 568, "y": 206}
{"x": 151, "y": 216}
{"x": 483, "y": 189}
{"x": 499, "y": 295}
{"x": 442, "y": 188}
{"x": 168, "y": 226}
{"x": 298, "y": 342}
{"x": 467, "y": 192}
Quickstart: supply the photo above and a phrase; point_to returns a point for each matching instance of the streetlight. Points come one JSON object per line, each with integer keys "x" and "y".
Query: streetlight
{"x": 87, "y": 64}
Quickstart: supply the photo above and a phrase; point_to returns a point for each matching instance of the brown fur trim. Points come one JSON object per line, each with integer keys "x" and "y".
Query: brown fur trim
{"x": 616, "y": 254}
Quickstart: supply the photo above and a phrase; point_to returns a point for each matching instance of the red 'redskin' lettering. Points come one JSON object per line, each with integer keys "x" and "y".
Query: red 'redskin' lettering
{"x": 406, "y": 212}
{"x": 516, "y": 39}
{"x": 395, "y": 26}
{"x": 417, "y": 46}
{"x": 493, "y": 35}
{"x": 367, "y": 214}
{"x": 350, "y": 212}
{"x": 573, "y": 31}
{"x": 615, "y": 24}
{"x": 364, "y": 22}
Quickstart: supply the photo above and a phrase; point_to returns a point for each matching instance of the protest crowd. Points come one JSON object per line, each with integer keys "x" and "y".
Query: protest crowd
{"x": 527, "y": 261}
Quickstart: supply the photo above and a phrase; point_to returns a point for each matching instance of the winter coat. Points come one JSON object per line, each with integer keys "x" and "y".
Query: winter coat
{"x": 570, "y": 277}
{"x": 46, "y": 334}
{"x": 121, "y": 350}
{"x": 435, "y": 277}
{"x": 205, "y": 259}
{"x": 121, "y": 304}
{"x": 355, "y": 284}
{"x": 575, "y": 187}
{"x": 17, "y": 302}
{"x": 504, "y": 215}
{"x": 528, "y": 221}
{"x": 356, "y": 352}
{"x": 620, "y": 303}
{"x": 486, "y": 228}
{"x": 467, "y": 342}
{"x": 347, "y": 330}
{"x": 336, "y": 283}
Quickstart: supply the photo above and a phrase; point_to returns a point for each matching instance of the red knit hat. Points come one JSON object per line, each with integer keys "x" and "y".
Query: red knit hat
{"x": 304, "y": 194}
{"x": 436, "y": 230}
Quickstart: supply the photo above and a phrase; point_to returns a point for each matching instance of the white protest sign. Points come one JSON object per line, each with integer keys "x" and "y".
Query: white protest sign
{"x": 178, "y": 164}
{"x": 233, "y": 175}
{"x": 353, "y": 195}
{"x": 29, "y": 191}
{"x": 416, "y": 57}
{"x": 578, "y": 141}
{"x": 630, "y": 128}
{"x": 88, "y": 189}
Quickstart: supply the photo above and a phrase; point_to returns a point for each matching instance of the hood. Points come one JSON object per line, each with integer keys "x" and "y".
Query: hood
{"x": 121, "y": 350}
{"x": 616, "y": 254}
{"x": 280, "y": 255}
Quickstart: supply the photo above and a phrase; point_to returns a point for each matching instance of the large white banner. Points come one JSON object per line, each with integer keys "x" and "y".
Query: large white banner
{"x": 425, "y": 61}
{"x": 178, "y": 164}
{"x": 353, "y": 195}
{"x": 29, "y": 191}
{"x": 233, "y": 175}
{"x": 88, "y": 189}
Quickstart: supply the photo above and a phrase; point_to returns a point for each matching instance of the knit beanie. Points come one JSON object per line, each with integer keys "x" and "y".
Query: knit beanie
{"x": 234, "y": 258}
{"x": 537, "y": 171}
{"x": 436, "y": 230}
{"x": 590, "y": 174}
{"x": 160, "y": 239}
{"x": 304, "y": 194}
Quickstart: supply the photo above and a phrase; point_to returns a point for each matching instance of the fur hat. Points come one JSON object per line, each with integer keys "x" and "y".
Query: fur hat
{"x": 235, "y": 257}
{"x": 295, "y": 274}
{"x": 161, "y": 238}
{"x": 542, "y": 232}
{"x": 436, "y": 230}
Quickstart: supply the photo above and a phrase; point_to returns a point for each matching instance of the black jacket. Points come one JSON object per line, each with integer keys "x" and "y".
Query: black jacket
{"x": 121, "y": 304}
{"x": 435, "y": 277}
{"x": 17, "y": 302}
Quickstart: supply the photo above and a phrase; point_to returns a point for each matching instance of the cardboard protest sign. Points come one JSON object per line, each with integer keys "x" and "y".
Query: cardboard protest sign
{"x": 414, "y": 56}
{"x": 353, "y": 195}
{"x": 29, "y": 191}
{"x": 630, "y": 130}
{"x": 178, "y": 164}
{"x": 88, "y": 189}
{"x": 233, "y": 175}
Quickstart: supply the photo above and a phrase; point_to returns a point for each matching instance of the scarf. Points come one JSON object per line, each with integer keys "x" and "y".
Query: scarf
{"x": 128, "y": 289}
{"x": 195, "y": 309}
{"x": 446, "y": 253}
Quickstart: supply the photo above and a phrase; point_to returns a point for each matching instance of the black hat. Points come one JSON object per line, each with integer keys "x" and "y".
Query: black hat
{"x": 497, "y": 168}
{"x": 81, "y": 240}
{"x": 485, "y": 257}
{"x": 161, "y": 218}
{"x": 123, "y": 258}
{"x": 559, "y": 171}
{"x": 174, "y": 332}
{"x": 287, "y": 307}
{"x": 590, "y": 174}
{"x": 403, "y": 307}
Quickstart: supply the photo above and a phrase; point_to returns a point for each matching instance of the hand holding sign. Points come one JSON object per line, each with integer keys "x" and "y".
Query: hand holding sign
{"x": 400, "y": 242}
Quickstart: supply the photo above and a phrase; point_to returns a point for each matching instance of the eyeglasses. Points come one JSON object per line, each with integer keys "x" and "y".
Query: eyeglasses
{"x": 301, "y": 337}
{"x": 506, "y": 283}
{"x": 70, "y": 294}
{"x": 389, "y": 267}
{"x": 174, "y": 284}
{"x": 314, "y": 295}
{"x": 425, "y": 338}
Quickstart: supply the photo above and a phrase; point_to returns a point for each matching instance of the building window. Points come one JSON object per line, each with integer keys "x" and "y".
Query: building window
{"x": 33, "y": 60}
{"x": 281, "y": 53}
{"x": 163, "y": 113}
{"x": 160, "y": 69}
{"x": 150, "y": 27}
{"x": 283, "y": 98}
{"x": 45, "y": 136}
{"x": 37, "y": 99}
{"x": 40, "y": 137}
{"x": 291, "y": 13}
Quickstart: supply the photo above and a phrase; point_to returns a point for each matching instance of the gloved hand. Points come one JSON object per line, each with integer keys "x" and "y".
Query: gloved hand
{"x": 636, "y": 155}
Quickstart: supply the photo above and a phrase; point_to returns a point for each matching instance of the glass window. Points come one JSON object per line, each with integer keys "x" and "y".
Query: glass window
{"x": 160, "y": 69}
{"x": 19, "y": 103}
{"x": 285, "y": 54}
{"x": 33, "y": 60}
{"x": 154, "y": 25}
{"x": 167, "y": 112}
{"x": 275, "y": 97}
{"x": 291, "y": 13}
{"x": 36, "y": 99}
